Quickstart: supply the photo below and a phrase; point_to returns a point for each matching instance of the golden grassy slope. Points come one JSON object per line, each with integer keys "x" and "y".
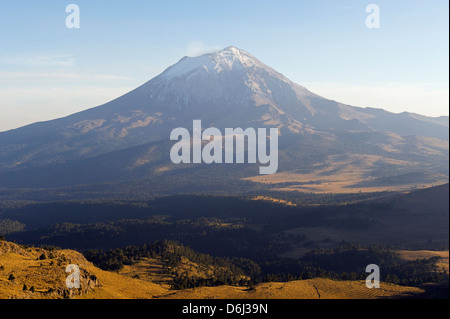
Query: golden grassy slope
{"x": 304, "y": 289}
{"x": 152, "y": 270}
{"x": 341, "y": 174}
{"x": 28, "y": 269}
{"x": 116, "y": 286}
{"x": 442, "y": 263}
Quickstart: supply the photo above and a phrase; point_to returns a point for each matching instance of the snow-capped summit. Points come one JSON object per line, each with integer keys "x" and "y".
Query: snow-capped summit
{"x": 230, "y": 81}
{"x": 230, "y": 58}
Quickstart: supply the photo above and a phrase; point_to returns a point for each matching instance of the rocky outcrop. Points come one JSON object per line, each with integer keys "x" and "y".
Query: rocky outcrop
{"x": 87, "y": 283}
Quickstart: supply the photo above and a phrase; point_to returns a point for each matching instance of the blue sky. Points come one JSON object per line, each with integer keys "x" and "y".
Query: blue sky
{"x": 48, "y": 71}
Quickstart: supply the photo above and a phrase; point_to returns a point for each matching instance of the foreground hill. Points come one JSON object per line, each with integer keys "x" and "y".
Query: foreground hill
{"x": 47, "y": 277}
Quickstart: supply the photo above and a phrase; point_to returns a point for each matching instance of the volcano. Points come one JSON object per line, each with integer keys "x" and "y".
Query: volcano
{"x": 127, "y": 139}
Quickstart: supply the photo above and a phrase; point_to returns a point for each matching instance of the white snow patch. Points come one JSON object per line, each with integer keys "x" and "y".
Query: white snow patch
{"x": 230, "y": 58}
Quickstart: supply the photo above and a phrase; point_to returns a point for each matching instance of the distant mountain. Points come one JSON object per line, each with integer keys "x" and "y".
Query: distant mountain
{"x": 128, "y": 138}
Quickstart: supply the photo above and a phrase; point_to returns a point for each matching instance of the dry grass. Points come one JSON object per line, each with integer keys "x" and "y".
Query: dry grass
{"x": 274, "y": 200}
{"x": 304, "y": 289}
{"x": 148, "y": 269}
{"x": 29, "y": 270}
{"x": 152, "y": 270}
{"x": 443, "y": 262}
{"x": 116, "y": 286}
{"x": 340, "y": 174}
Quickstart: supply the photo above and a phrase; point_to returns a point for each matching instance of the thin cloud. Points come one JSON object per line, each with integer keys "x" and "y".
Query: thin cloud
{"x": 40, "y": 60}
{"x": 8, "y": 76}
{"x": 197, "y": 48}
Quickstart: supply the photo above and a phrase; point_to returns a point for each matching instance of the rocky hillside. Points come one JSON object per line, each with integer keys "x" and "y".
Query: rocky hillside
{"x": 36, "y": 273}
